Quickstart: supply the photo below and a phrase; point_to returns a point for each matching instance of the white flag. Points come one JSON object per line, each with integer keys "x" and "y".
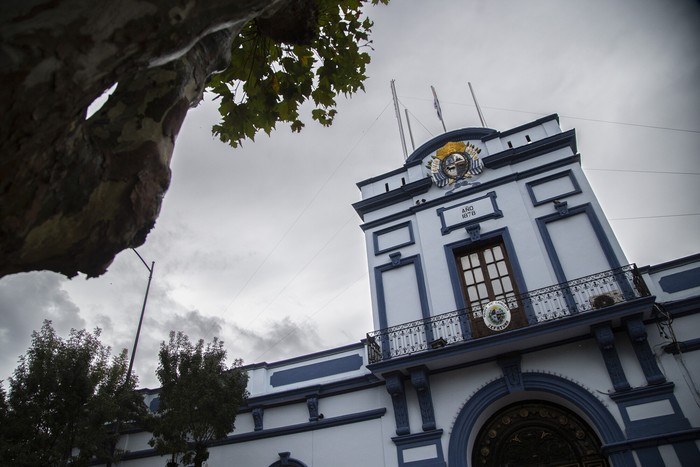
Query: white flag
{"x": 436, "y": 103}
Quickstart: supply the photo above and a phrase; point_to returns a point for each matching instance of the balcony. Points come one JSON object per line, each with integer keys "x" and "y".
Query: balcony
{"x": 557, "y": 302}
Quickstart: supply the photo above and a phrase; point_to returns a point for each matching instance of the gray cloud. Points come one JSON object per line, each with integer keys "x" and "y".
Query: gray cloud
{"x": 26, "y": 300}
{"x": 280, "y": 339}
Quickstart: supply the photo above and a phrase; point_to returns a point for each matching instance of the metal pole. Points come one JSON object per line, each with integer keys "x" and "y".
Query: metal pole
{"x": 436, "y": 103}
{"x": 478, "y": 109}
{"x": 143, "y": 310}
{"x": 410, "y": 133}
{"x": 398, "y": 117}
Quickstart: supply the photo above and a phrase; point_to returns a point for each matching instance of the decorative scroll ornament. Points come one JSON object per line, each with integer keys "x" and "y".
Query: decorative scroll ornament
{"x": 455, "y": 162}
{"x": 496, "y": 315}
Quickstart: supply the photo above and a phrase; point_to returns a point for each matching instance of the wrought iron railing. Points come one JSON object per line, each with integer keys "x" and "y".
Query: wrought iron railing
{"x": 546, "y": 304}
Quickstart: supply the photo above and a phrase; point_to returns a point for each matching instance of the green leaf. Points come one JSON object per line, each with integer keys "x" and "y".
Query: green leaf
{"x": 267, "y": 82}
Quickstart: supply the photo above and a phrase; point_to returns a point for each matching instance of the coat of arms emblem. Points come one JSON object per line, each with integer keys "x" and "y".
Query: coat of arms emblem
{"x": 455, "y": 162}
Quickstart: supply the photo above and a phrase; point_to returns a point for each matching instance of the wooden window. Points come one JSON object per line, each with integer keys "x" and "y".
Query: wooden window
{"x": 486, "y": 275}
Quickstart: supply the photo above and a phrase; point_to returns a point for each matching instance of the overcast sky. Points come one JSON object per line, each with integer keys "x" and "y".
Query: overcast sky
{"x": 260, "y": 245}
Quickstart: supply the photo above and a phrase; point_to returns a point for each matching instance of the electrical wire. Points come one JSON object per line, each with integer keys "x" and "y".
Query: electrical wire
{"x": 655, "y": 172}
{"x": 653, "y": 217}
{"x": 303, "y": 268}
{"x": 417, "y": 119}
{"x": 294, "y": 223}
{"x": 613, "y": 122}
{"x": 303, "y": 211}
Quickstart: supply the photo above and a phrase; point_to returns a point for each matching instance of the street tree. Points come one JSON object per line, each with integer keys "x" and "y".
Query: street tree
{"x": 4, "y": 443}
{"x": 199, "y": 398}
{"x": 75, "y": 191}
{"x": 65, "y": 400}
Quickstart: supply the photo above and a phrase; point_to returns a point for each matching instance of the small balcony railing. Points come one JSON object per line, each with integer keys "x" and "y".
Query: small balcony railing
{"x": 546, "y": 304}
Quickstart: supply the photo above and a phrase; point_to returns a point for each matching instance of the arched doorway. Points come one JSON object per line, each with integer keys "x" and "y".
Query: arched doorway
{"x": 537, "y": 434}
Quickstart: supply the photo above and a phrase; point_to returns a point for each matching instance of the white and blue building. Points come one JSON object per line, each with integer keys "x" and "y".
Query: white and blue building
{"x": 509, "y": 329}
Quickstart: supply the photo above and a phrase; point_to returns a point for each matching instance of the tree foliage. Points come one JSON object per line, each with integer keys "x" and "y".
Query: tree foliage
{"x": 66, "y": 399}
{"x": 199, "y": 398}
{"x": 267, "y": 79}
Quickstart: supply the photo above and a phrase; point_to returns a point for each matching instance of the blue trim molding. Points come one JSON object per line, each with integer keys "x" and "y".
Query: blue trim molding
{"x": 403, "y": 193}
{"x": 312, "y": 405}
{"x": 690, "y": 259}
{"x": 680, "y": 281}
{"x": 526, "y": 126}
{"x": 404, "y": 225}
{"x": 420, "y": 379}
{"x": 571, "y": 326}
{"x": 647, "y": 433}
{"x": 676, "y": 348}
{"x": 466, "y": 214}
{"x": 398, "y": 262}
{"x": 395, "y": 388}
{"x": 419, "y": 440}
{"x": 258, "y": 413}
{"x": 605, "y": 337}
{"x": 512, "y": 374}
{"x": 562, "y": 207}
{"x": 385, "y": 175}
{"x": 493, "y": 161}
{"x": 463, "y": 134}
{"x": 654, "y": 424}
{"x": 316, "y": 370}
{"x": 587, "y": 210}
{"x": 154, "y": 404}
{"x": 330, "y": 422}
{"x": 470, "y": 191}
{"x": 567, "y": 173}
{"x": 536, "y": 148}
{"x": 454, "y": 271}
{"x": 359, "y": 346}
{"x": 637, "y": 332}
{"x": 589, "y": 405}
{"x": 474, "y": 232}
{"x": 298, "y": 395}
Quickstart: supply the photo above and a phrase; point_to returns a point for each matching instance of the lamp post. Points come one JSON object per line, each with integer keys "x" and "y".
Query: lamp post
{"x": 143, "y": 310}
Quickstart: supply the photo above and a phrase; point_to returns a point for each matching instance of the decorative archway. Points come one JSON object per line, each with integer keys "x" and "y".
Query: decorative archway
{"x": 534, "y": 434}
{"x": 600, "y": 418}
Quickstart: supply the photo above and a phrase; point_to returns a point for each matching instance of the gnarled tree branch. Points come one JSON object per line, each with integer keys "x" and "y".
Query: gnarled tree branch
{"x": 75, "y": 192}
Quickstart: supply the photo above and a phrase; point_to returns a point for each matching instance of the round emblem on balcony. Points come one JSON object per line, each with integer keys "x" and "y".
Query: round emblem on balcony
{"x": 496, "y": 315}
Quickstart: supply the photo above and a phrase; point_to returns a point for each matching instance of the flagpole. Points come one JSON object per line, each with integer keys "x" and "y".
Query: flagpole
{"x": 410, "y": 133}
{"x": 398, "y": 117}
{"x": 436, "y": 103}
{"x": 478, "y": 109}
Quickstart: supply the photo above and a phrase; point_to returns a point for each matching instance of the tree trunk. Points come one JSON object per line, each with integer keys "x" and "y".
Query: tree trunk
{"x": 75, "y": 192}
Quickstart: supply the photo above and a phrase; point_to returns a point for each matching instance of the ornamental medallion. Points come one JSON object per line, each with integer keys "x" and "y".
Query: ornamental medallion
{"x": 496, "y": 315}
{"x": 455, "y": 162}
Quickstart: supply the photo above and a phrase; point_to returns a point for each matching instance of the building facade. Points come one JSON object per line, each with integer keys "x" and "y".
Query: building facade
{"x": 509, "y": 329}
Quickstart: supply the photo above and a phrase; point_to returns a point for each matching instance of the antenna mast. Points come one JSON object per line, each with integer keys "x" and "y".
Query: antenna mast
{"x": 478, "y": 109}
{"x": 410, "y": 133}
{"x": 398, "y": 117}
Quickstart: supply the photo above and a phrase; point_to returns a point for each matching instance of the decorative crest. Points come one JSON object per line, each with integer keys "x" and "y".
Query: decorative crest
{"x": 454, "y": 162}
